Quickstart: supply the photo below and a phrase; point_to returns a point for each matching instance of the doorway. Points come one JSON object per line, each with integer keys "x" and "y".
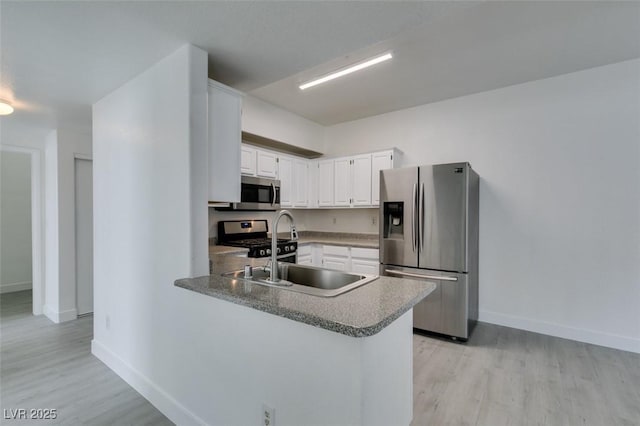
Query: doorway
{"x": 16, "y": 274}
{"x": 84, "y": 235}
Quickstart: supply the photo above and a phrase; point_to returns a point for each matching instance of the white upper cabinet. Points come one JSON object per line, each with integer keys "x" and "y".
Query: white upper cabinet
{"x": 266, "y": 164}
{"x": 380, "y": 161}
{"x": 312, "y": 184}
{"x": 352, "y": 181}
{"x": 301, "y": 186}
{"x": 224, "y": 133}
{"x": 342, "y": 182}
{"x": 293, "y": 175}
{"x": 361, "y": 180}
{"x": 248, "y": 160}
{"x": 325, "y": 183}
{"x": 285, "y": 174}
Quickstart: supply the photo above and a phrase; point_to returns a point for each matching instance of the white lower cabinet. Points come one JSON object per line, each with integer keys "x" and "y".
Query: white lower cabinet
{"x": 304, "y": 254}
{"x": 347, "y": 259}
{"x": 336, "y": 257}
{"x": 365, "y": 261}
{"x": 336, "y": 262}
{"x": 367, "y": 267}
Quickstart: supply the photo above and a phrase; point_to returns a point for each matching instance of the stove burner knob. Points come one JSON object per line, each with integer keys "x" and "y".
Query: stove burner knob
{"x": 292, "y": 247}
{"x": 261, "y": 252}
{"x": 278, "y": 250}
{"x": 268, "y": 251}
{"x": 286, "y": 248}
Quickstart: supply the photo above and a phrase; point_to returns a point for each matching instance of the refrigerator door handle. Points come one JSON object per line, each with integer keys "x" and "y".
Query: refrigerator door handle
{"x": 421, "y": 217}
{"x": 414, "y": 239}
{"x": 427, "y": 277}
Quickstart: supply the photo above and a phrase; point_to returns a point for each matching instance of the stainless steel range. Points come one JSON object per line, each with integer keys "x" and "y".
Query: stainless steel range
{"x": 252, "y": 234}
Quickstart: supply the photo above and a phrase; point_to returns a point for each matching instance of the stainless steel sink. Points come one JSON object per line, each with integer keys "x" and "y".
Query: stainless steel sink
{"x": 307, "y": 279}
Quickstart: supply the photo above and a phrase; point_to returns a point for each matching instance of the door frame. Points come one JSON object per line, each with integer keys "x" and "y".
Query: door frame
{"x": 37, "y": 224}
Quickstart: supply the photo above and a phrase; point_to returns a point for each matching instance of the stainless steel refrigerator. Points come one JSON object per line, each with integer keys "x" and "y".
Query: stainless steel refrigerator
{"x": 429, "y": 231}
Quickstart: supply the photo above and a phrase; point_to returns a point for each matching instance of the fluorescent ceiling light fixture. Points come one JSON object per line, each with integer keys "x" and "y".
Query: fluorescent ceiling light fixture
{"x": 348, "y": 70}
{"x": 5, "y": 107}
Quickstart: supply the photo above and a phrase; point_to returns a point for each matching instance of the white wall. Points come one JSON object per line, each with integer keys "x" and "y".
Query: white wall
{"x": 62, "y": 146}
{"x": 559, "y": 162}
{"x": 264, "y": 119}
{"x": 150, "y": 200}
{"x": 51, "y": 229}
{"x": 218, "y": 362}
{"x": 15, "y": 222}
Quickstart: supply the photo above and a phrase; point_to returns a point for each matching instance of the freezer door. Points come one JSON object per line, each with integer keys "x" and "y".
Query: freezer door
{"x": 398, "y": 212}
{"x": 442, "y": 217}
{"x": 446, "y": 309}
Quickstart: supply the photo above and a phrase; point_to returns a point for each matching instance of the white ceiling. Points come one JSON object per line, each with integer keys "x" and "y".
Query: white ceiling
{"x": 481, "y": 48}
{"x": 58, "y": 58}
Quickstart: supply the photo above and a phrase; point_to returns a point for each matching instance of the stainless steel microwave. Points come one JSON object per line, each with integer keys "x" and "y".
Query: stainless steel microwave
{"x": 257, "y": 194}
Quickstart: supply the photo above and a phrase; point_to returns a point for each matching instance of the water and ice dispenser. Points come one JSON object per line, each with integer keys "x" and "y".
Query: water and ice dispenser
{"x": 393, "y": 220}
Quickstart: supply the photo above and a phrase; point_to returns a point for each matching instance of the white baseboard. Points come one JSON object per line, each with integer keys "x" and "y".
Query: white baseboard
{"x": 581, "y": 335}
{"x": 160, "y": 399}
{"x": 12, "y": 287}
{"x": 59, "y": 317}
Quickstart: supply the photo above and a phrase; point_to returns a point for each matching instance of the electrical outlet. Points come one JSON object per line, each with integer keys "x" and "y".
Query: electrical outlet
{"x": 334, "y": 220}
{"x": 268, "y": 415}
{"x": 107, "y": 322}
{"x": 373, "y": 220}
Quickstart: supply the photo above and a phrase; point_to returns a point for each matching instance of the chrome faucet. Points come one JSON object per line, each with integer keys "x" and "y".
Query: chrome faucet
{"x": 273, "y": 272}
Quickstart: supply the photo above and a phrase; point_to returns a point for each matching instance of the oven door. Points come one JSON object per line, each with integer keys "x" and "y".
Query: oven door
{"x": 258, "y": 194}
{"x": 291, "y": 258}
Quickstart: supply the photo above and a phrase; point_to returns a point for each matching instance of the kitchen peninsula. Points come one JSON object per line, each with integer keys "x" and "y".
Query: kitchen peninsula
{"x": 334, "y": 360}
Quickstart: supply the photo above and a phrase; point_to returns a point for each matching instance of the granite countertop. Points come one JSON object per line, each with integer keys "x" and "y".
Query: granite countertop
{"x": 361, "y": 312}
{"x": 214, "y": 250}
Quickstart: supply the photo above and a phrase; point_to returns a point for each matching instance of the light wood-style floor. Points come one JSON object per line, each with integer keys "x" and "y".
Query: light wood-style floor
{"x": 47, "y": 365}
{"x": 502, "y": 376}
